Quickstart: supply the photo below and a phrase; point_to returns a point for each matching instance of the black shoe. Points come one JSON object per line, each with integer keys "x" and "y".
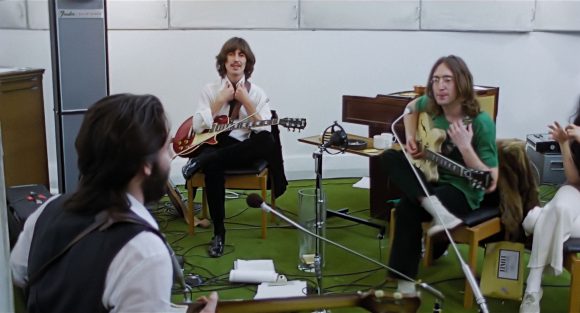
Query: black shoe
{"x": 439, "y": 249}
{"x": 190, "y": 168}
{"x": 216, "y": 246}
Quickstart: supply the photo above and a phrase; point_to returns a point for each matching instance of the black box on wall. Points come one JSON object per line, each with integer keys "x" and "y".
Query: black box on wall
{"x": 22, "y": 201}
{"x": 549, "y": 166}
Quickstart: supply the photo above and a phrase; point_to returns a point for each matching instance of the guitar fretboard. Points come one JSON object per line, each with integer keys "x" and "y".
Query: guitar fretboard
{"x": 446, "y": 163}
{"x": 242, "y": 125}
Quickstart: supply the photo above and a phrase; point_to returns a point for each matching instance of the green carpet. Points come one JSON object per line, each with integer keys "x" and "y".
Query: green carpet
{"x": 343, "y": 272}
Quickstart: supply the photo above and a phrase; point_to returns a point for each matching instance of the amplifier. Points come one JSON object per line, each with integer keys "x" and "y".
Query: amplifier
{"x": 22, "y": 201}
{"x": 543, "y": 143}
{"x": 549, "y": 166}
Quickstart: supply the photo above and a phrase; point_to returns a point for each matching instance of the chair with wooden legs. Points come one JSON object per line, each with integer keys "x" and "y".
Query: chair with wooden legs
{"x": 253, "y": 177}
{"x": 477, "y": 226}
{"x": 518, "y": 190}
{"x": 572, "y": 264}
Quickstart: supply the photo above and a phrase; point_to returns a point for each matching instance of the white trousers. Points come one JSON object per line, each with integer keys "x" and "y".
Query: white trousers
{"x": 556, "y": 222}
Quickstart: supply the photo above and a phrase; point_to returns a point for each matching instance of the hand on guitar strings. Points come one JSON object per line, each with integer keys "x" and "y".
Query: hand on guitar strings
{"x": 413, "y": 149}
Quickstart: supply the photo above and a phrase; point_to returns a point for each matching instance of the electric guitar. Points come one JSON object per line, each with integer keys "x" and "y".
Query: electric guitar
{"x": 430, "y": 140}
{"x": 186, "y": 142}
{"x": 372, "y": 301}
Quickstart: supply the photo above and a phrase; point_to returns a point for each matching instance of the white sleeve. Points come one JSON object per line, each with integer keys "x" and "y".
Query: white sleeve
{"x": 262, "y": 107}
{"x": 140, "y": 277}
{"x": 203, "y": 119}
{"x": 21, "y": 250}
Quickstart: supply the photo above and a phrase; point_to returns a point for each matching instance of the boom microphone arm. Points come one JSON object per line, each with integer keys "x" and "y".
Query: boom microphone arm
{"x": 255, "y": 201}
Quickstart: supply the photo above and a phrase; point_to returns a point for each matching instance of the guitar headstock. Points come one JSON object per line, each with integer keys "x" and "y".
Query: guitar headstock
{"x": 479, "y": 179}
{"x": 378, "y": 301}
{"x": 293, "y": 123}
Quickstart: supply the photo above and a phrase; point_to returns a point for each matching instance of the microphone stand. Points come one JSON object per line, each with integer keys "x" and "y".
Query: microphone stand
{"x": 424, "y": 286}
{"x": 178, "y": 275}
{"x": 464, "y": 267}
{"x": 319, "y": 200}
{"x": 319, "y": 210}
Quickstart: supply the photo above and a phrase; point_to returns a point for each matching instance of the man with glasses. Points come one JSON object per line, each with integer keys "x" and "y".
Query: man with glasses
{"x": 470, "y": 141}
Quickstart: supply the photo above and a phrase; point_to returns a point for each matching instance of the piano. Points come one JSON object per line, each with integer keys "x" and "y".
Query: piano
{"x": 378, "y": 114}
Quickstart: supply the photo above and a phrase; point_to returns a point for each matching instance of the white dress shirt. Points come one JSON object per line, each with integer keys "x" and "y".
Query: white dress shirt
{"x": 203, "y": 118}
{"x": 139, "y": 278}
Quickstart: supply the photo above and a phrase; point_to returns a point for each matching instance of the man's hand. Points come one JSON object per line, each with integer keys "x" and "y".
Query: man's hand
{"x": 227, "y": 94}
{"x": 210, "y": 303}
{"x": 242, "y": 93}
{"x": 460, "y": 135}
{"x": 413, "y": 149}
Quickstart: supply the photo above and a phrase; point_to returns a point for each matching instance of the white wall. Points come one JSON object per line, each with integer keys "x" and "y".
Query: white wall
{"x": 306, "y": 72}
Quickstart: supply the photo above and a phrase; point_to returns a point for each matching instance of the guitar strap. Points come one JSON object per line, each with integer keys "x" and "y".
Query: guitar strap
{"x": 235, "y": 105}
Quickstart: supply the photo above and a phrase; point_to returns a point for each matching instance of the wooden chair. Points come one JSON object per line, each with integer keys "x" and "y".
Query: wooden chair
{"x": 572, "y": 264}
{"x": 254, "y": 177}
{"x": 479, "y": 225}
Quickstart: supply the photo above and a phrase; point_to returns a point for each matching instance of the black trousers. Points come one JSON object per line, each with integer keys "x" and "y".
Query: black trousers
{"x": 406, "y": 249}
{"x": 230, "y": 153}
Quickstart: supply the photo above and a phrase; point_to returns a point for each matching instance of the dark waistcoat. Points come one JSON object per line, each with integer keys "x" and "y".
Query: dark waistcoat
{"x": 75, "y": 281}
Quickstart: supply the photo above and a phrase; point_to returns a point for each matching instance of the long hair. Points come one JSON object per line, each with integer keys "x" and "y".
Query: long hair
{"x": 119, "y": 134}
{"x": 463, "y": 83}
{"x": 232, "y": 45}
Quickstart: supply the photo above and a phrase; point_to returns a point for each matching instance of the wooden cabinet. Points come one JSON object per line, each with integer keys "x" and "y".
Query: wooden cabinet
{"x": 22, "y": 125}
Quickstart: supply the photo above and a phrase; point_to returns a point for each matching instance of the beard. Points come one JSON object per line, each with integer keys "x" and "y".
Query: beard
{"x": 154, "y": 185}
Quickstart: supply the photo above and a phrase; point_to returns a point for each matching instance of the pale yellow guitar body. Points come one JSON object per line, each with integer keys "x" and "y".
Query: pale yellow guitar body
{"x": 428, "y": 138}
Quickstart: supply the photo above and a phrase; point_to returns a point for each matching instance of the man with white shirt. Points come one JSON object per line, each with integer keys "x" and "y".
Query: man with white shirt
{"x": 99, "y": 249}
{"x": 235, "y": 97}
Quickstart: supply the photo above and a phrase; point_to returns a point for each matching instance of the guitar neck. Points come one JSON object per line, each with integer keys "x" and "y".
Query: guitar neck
{"x": 445, "y": 163}
{"x": 242, "y": 125}
{"x": 385, "y": 303}
{"x": 280, "y": 305}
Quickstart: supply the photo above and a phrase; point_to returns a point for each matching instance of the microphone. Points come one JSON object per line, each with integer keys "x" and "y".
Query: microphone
{"x": 255, "y": 201}
{"x": 338, "y": 137}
